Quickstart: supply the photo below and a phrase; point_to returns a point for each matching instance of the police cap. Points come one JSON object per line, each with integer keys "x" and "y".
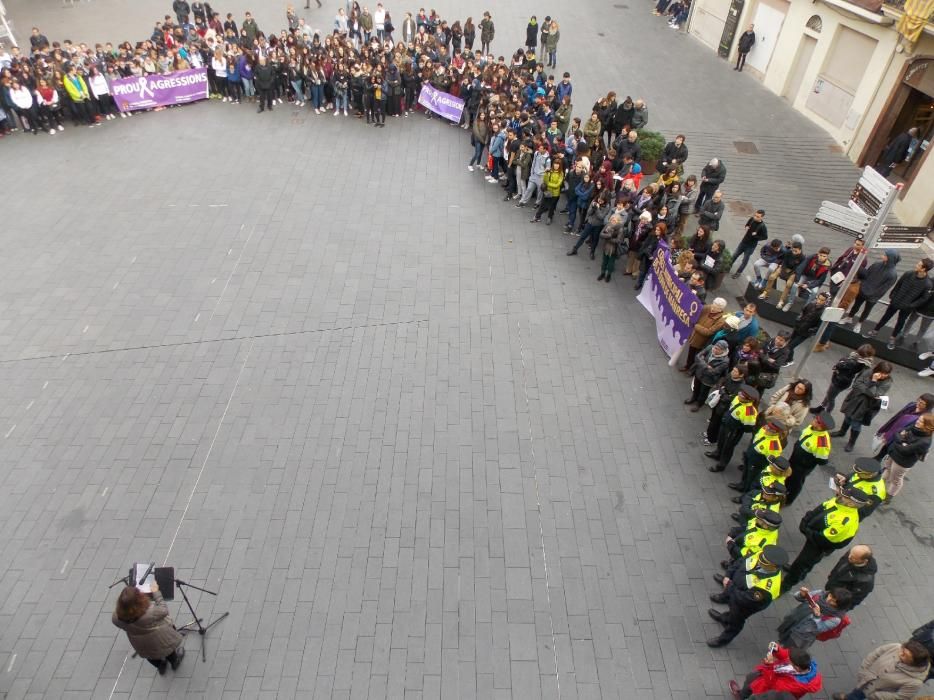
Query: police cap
{"x": 780, "y": 463}
{"x": 769, "y": 517}
{"x": 749, "y": 392}
{"x": 774, "y": 555}
{"x": 867, "y": 465}
{"x": 826, "y": 420}
{"x": 775, "y": 488}
{"x": 855, "y": 495}
{"x": 777, "y": 424}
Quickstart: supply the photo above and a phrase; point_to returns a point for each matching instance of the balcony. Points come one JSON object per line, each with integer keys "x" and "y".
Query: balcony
{"x": 897, "y": 9}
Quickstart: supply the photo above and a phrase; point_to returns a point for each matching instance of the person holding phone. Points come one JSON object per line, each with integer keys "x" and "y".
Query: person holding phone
{"x": 149, "y": 627}
{"x": 783, "y": 670}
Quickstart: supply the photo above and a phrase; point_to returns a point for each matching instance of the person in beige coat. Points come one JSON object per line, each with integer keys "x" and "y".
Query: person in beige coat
{"x": 797, "y": 396}
{"x": 890, "y": 672}
{"x": 711, "y": 320}
{"x": 149, "y": 628}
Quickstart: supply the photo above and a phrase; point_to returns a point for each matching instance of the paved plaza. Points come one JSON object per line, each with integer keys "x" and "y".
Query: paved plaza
{"x": 327, "y": 373}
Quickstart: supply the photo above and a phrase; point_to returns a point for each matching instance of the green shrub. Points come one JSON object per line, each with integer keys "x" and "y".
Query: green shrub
{"x": 652, "y": 143}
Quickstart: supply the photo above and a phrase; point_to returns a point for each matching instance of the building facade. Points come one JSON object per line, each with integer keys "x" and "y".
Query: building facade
{"x": 859, "y": 72}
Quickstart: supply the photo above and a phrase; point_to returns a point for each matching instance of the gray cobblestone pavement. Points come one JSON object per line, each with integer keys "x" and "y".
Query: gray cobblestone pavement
{"x": 324, "y": 371}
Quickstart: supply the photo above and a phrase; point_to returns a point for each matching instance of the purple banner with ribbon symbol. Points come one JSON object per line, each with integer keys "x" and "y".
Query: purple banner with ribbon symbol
{"x": 148, "y": 91}
{"x": 441, "y": 103}
{"x": 670, "y": 300}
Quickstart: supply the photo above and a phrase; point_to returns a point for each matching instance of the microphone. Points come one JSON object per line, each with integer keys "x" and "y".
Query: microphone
{"x": 142, "y": 580}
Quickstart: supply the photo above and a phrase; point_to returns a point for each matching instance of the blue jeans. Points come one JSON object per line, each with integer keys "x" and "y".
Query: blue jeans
{"x": 340, "y": 100}
{"x": 747, "y": 249}
{"x": 591, "y": 232}
{"x": 317, "y": 96}
{"x": 299, "y": 93}
{"x": 856, "y": 694}
{"x": 553, "y": 58}
{"x": 572, "y": 209}
{"x": 248, "y": 90}
{"x": 477, "y": 154}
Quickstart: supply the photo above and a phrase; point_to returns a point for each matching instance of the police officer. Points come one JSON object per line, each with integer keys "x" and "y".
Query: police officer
{"x": 771, "y": 497}
{"x": 867, "y": 477}
{"x": 765, "y": 447}
{"x": 829, "y": 526}
{"x": 743, "y": 541}
{"x": 740, "y": 419}
{"x": 811, "y": 450}
{"x": 749, "y": 586}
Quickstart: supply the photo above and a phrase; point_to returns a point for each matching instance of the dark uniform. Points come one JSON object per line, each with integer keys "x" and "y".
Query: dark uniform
{"x": 867, "y": 477}
{"x": 770, "y": 497}
{"x": 811, "y": 450}
{"x": 744, "y": 541}
{"x": 740, "y": 419}
{"x": 829, "y": 526}
{"x": 766, "y": 447}
{"x": 753, "y": 584}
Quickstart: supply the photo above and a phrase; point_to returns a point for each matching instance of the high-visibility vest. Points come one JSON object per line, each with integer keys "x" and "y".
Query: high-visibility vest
{"x": 759, "y": 503}
{"x": 768, "y": 478}
{"x": 872, "y": 487}
{"x": 771, "y": 584}
{"x": 767, "y": 443}
{"x": 745, "y": 413}
{"x": 754, "y": 539}
{"x": 840, "y": 522}
{"x": 815, "y": 442}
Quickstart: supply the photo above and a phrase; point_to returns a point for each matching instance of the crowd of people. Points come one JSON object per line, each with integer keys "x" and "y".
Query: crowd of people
{"x": 524, "y": 136}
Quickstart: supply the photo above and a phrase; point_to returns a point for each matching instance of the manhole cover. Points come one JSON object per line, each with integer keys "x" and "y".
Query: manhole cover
{"x": 740, "y": 208}
{"x": 747, "y": 147}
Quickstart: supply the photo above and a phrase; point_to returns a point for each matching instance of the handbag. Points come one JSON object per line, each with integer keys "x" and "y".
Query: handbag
{"x": 878, "y": 443}
{"x": 713, "y": 398}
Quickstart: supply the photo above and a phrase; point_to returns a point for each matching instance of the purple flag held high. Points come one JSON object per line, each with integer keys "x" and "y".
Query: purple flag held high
{"x": 148, "y": 91}
{"x": 670, "y": 300}
{"x": 441, "y": 103}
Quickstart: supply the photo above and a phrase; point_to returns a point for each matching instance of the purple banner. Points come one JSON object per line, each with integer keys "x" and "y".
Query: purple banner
{"x": 441, "y": 103}
{"x": 670, "y": 300}
{"x": 150, "y": 91}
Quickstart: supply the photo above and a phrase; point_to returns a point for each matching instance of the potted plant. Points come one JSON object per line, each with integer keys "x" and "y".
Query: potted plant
{"x": 652, "y": 144}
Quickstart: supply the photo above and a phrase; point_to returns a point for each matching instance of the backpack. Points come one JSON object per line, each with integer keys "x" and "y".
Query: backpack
{"x": 836, "y": 631}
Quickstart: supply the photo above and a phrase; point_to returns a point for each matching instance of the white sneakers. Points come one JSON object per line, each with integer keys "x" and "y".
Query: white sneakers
{"x": 926, "y": 372}
{"x": 470, "y": 168}
{"x": 926, "y": 355}
{"x": 52, "y": 132}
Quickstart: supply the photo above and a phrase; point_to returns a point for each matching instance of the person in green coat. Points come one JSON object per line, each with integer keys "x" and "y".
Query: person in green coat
{"x": 487, "y": 32}
{"x": 551, "y": 45}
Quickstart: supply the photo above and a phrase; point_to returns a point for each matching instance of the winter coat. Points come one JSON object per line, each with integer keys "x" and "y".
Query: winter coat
{"x": 487, "y": 30}
{"x": 797, "y": 409}
{"x": 770, "y": 677}
{"x": 709, "y": 368}
{"x": 711, "y": 213}
{"x": 481, "y": 132}
{"x": 597, "y": 213}
{"x": 877, "y": 279}
{"x": 552, "y": 181}
{"x": 808, "y": 320}
{"x": 674, "y": 152}
{"x": 153, "y": 635}
{"x": 264, "y": 77}
{"x": 883, "y": 676}
{"x": 909, "y": 447}
{"x": 614, "y": 240}
{"x": 551, "y": 41}
{"x": 640, "y": 117}
{"x": 862, "y": 403}
{"x": 715, "y": 176}
{"x": 708, "y": 323}
{"x": 910, "y": 291}
{"x": 746, "y": 41}
{"x": 592, "y": 131}
{"x": 531, "y": 34}
{"x": 858, "y": 580}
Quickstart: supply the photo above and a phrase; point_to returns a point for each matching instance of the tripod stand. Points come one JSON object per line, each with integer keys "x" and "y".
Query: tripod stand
{"x": 196, "y": 623}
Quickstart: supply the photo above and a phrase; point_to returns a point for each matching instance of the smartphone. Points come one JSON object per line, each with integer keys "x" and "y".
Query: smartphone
{"x": 773, "y": 647}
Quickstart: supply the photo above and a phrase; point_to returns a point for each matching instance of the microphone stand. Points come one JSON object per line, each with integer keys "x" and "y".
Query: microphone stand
{"x": 196, "y": 623}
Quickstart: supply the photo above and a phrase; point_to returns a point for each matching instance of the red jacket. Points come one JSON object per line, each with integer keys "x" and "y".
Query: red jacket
{"x": 798, "y": 684}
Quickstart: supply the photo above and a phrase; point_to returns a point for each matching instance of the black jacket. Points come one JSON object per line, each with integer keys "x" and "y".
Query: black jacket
{"x": 809, "y": 319}
{"x": 746, "y": 41}
{"x": 910, "y": 446}
{"x": 715, "y": 176}
{"x": 910, "y": 291}
{"x": 858, "y": 580}
{"x": 674, "y": 152}
{"x": 264, "y": 77}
